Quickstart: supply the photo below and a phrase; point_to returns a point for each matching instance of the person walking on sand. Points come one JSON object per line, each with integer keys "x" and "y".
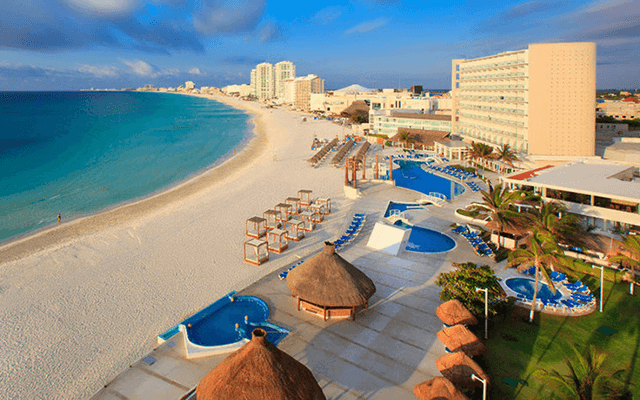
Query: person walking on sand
{"x": 59, "y": 217}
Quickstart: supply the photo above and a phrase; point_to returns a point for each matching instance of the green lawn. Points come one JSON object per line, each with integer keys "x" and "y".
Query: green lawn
{"x": 517, "y": 348}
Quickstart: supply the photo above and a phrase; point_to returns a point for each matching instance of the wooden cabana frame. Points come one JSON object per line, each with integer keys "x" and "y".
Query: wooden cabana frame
{"x": 271, "y": 216}
{"x": 317, "y": 214}
{"x": 256, "y": 227}
{"x": 295, "y": 230}
{"x": 277, "y": 240}
{"x": 294, "y": 202}
{"x": 307, "y": 217}
{"x": 256, "y": 251}
{"x": 305, "y": 197}
{"x": 283, "y": 211}
{"x": 326, "y": 202}
{"x": 327, "y": 312}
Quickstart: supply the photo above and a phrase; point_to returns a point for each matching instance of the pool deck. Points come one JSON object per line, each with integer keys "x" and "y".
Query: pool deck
{"x": 383, "y": 354}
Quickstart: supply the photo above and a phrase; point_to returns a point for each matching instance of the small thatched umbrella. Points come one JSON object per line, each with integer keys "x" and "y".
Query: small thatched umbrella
{"x": 259, "y": 370}
{"x": 328, "y": 284}
{"x": 458, "y": 367}
{"x": 438, "y": 388}
{"x": 458, "y": 337}
{"x": 453, "y": 312}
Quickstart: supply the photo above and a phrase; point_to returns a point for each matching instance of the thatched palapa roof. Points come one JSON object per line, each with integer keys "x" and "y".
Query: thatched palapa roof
{"x": 458, "y": 367}
{"x": 329, "y": 280}
{"x": 259, "y": 370}
{"x": 419, "y": 136}
{"x": 438, "y": 388}
{"x": 453, "y": 312}
{"x": 458, "y": 337}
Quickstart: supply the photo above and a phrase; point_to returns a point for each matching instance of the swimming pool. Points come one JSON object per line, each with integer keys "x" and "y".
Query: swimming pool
{"x": 393, "y": 205}
{"x": 525, "y": 286}
{"x": 410, "y": 175}
{"x": 423, "y": 240}
{"x": 225, "y": 325}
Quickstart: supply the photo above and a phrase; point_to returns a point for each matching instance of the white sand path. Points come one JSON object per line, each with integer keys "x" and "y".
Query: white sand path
{"x": 89, "y": 297}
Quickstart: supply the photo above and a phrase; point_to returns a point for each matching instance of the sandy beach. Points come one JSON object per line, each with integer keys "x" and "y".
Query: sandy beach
{"x": 83, "y": 300}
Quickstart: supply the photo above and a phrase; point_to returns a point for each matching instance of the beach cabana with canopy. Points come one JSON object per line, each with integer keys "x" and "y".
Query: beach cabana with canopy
{"x": 326, "y": 203}
{"x": 317, "y": 212}
{"x": 329, "y": 286}
{"x": 459, "y": 338}
{"x": 272, "y": 219}
{"x": 277, "y": 240}
{"x": 309, "y": 223}
{"x": 295, "y": 229}
{"x": 305, "y": 197}
{"x": 283, "y": 211}
{"x": 256, "y": 227}
{"x": 294, "y": 202}
{"x": 439, "y": 388}
{"x": 453, "y": 312}
{"x": 458, "y": 367}
{"x": 259, "y": 370}
{"x": 256, "y": 251}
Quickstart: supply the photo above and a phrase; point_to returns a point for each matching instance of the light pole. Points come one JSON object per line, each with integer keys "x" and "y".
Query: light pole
{"x": 601, "y": 282}
{"x": 484, "y": 385}
{"x": 486, "y": 310}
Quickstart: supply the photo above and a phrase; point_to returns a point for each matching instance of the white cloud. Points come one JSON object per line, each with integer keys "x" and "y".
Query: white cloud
{"x": 269, "y": 33}
{"x": 100, "y": 8}
{"x": 228, "y": 16}
{"x": 196, "y": 71}
{"x": 327, "y": 15}
{"x": 141, "y": 68}
{"x": 98, "y": 71}
{"x": 368, "y": 26}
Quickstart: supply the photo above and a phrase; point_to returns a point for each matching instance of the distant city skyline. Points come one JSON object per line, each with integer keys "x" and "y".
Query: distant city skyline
{"x": 78, "y": 44}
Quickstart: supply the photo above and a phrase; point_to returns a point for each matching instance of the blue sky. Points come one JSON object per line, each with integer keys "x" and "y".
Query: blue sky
{"x": 75, "y": 44}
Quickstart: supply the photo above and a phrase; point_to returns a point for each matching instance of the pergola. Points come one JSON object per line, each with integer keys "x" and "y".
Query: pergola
{"x": 307, "y": 217}
{"x": 277, "y": 240}
{"x": 256, "y": 251}
{"x": 317, "y": 212}
{"x": 295, "y": 205}
{"x": 326, "y": 202}
{"x": 295, "y": 229}
{"x": 305, "y": 197}
{"x": 283, "y": 211}
{"x": 271, "y": 216}
{"x": 256, "y": 227}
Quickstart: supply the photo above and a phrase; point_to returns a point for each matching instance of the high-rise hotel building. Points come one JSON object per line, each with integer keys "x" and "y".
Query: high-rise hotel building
{"x": 267, "y": 81}
{"x": 282, "y": 70}
{"x": 538, "y": 100}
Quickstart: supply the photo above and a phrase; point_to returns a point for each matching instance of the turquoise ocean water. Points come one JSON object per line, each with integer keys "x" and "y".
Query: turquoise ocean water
{"x": 76, "y": 153}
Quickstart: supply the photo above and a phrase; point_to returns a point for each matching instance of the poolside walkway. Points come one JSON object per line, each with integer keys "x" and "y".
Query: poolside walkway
{"x": 390, "y": 347}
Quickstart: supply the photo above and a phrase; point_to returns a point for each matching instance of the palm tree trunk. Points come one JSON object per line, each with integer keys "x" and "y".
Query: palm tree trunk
{"x": 535, "y": 295}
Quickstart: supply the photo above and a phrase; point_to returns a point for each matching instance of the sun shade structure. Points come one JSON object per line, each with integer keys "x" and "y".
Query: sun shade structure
{"x": 317, "y": 213}
{"x": 307, "y": 217}
{"x": 272, "y": 219}
{"x": 256, "y": 227}
{"x": 438, "y": 388}
{"x": 294, "y": 202}
{"x": 277, "y": 240}
{"x": 458, "y": 367}
{"x": 330, "y": 286}
{"x": 305, "y": 197}
{"x": 326, "y": 203}
{"x": 283, "y": 211}
{"x": 453, "y": 312}
{"x": 458, "y": 337}
{"x": 256, "y": 251}
{"x": 259, "y": 370}
{"x": 295, "y": 230}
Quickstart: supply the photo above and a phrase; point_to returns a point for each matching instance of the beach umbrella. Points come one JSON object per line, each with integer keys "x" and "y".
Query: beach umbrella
{"x": 453, "y": 312}
{"x": 458, "y": 337}
{"x": 438, "y": 388}
{"x": 458, "y": 367}
{"x": 328, "y": 280}
{"x": 259, "y": 370}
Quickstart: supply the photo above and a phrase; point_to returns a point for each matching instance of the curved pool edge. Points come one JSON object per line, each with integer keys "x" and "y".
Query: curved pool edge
{"x": 455, "y": 244}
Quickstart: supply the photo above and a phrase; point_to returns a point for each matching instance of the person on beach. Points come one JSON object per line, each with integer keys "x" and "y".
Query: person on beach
{"x": 59, "y": 217}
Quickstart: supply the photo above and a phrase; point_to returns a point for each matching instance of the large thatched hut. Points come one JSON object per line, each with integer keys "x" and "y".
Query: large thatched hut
{"x": 438, "y": 388}
{"x": 458, "y": 337}
{"x": 458, "y": 367}
{"x": 259, "y": 370}
{"x": 453, "y": 312}
{"x": 330, "y": 286}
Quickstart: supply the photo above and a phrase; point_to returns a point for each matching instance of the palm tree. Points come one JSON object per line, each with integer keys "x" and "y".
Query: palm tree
{"x": 406, "y": 137}
{"x": 497, "y": 202}
{"x": 480, "y": 151}
{"x": 542, "y": 253}
{"x": 552, "y": 218}
{"x": 586, "y": 379}
{"x": 506, "y": 155}
{"x": 631, "y": 245}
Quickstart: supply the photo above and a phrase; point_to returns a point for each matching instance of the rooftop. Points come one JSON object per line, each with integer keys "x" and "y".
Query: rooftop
{"x": 435, "y": 117}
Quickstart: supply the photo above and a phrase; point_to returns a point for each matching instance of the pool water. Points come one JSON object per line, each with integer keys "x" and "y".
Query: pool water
{"x": 525, "y": 286}
{"x": 410, "y": 175}
{"x": 423, "y": 240}
{"x": 401, "y": 207}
